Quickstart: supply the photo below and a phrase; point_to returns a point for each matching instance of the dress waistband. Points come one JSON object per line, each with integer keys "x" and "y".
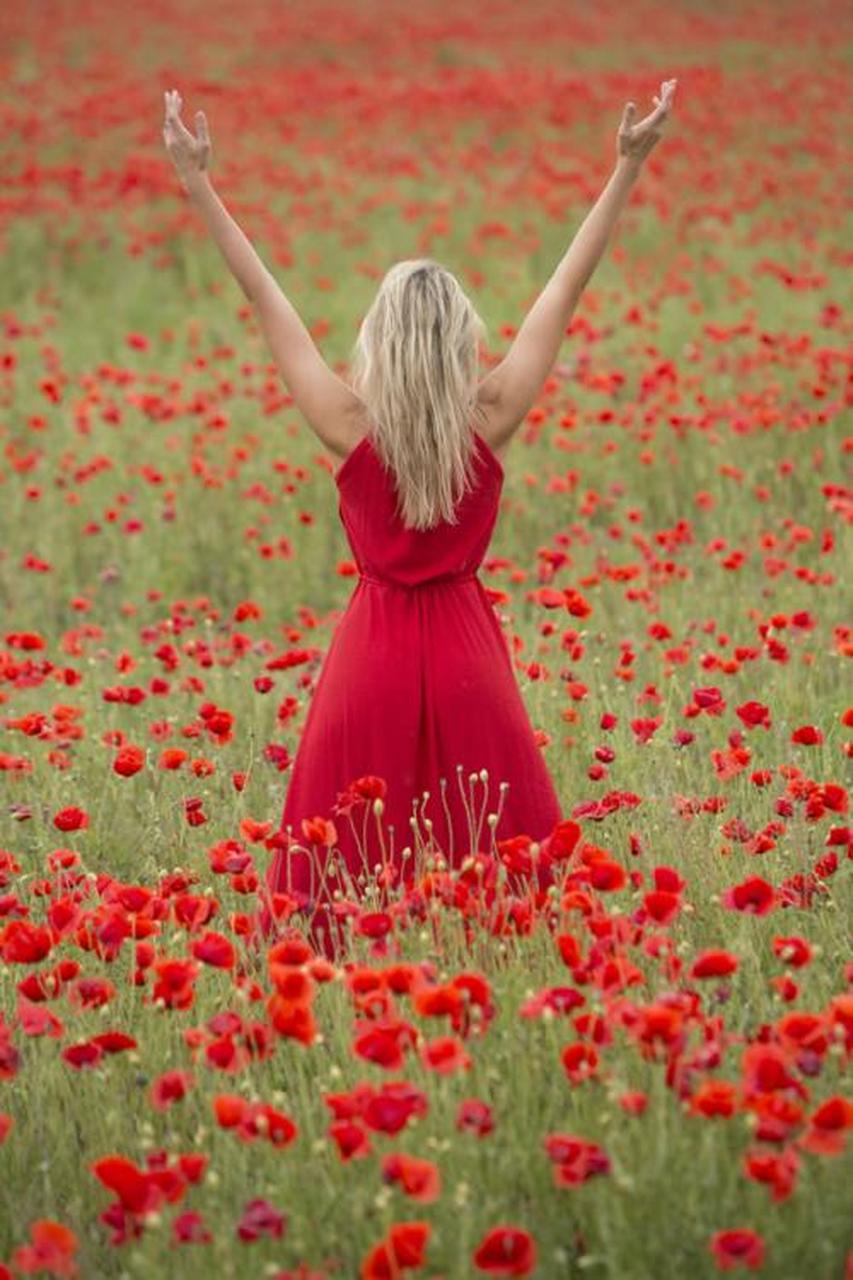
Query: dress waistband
{"x": 464, "y": 576}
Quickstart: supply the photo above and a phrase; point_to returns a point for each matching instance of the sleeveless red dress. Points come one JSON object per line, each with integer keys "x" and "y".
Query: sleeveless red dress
{"x": 417, "y": 679}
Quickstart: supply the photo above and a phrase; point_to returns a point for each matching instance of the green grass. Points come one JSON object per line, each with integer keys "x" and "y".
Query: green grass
{"x": 657, "y": 453}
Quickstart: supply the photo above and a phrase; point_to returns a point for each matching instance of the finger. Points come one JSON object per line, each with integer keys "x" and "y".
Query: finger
{"x": 175, "y": 120}
{"x": 627, "y": 117}
{"x": 201, "y": 128}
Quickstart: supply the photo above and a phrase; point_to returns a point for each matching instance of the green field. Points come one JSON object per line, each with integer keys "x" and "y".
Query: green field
{"x": 168, "y": 525}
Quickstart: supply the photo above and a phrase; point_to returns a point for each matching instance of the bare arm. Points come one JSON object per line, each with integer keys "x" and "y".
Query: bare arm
{"x": 329, "y": 406}
{"x": 511, "y": 388}
{"x": 237, "y": 250}
{"x": 584, "y": 253}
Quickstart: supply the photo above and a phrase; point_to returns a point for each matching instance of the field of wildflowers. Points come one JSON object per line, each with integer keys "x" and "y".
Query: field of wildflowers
{"x": 642, "y": 1071}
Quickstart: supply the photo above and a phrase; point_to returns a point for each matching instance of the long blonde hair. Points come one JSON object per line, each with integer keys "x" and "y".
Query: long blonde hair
{"x": 414, "y": 364}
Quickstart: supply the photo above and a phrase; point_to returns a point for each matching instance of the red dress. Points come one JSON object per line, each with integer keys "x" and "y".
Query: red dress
{"x": 417, "y": 679}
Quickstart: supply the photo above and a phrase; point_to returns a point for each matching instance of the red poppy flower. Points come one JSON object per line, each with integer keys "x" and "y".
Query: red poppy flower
{"x": 575, "y": 1159}
{"x": 710, "y": 700}
{"x": 445, "y": 1054}
{"x": 190, "y": 1228}
{"x": 276, "y": 1126}
{"x": 563, "y": 840}
{"x": 475, "y": 1116}
{"x": 826, "y": 1134}
{"x": 389, "y": 1109}
{"x": 506, "y": 1251}
{"x": 714, "y": 1098}
{"x": 795, "y": 951}
{"x": 569, "y": 949}
{"x": 194, "y": 812}
{"x": 401, "y": 1250}
{"x": 776, "y": 1170}
{"x": 128, "y": 761}
{"x": 71, "y": 819}
{"x": 259, "y": 1218}
{"x": 136, "y": 1189}
{"x": 437, "y": 1001}
{"x": 737, "y": 1248}
{"x": 808, "y": 735}
{"x": 661, "y": 906}
{"x": 253, "y": 831}
{"x": 579, "y": 1062}
{"x": 753, "y": 896}
{"x": 560, "y": 1000}
{"x": 807, "y": 1032}
{"x": 38, "y": 1020}
{"x": 113, "y": 1041}
{"x": 384, "y": 1044}
{"x": 765, "y": 1069}
{"x": 407, "y": 1242}
{"x": 218, "y": 722}
{"x": 175, "y": 983}
{"x": 293, "y": 1020}
{"x": 90, "y": 993}
{"x": 85, "y": 1054}
{"x": 352, "y": 1141}
{"x": 170, "y": 1087}
{"x": 293, "y": 983}
{"x": 52, "y": 1249}
{"x": 373, "y": 924}
{"x": 668, "y": 879}
{"x": 606, "y": 876}
{"x": 633, "y": 1101}
{"x": 714, "y": 964}
{"x": 417, "y": 1178}
{"x": 214, "y": 949}
{"x": 247, "y": 609}
{"x": 320, "y": 831}
{"x": 753, "y": 714}
{"x": 24, "y": 943}
{"x": 229, "y": 1109}
{"x": 294, "y": 950}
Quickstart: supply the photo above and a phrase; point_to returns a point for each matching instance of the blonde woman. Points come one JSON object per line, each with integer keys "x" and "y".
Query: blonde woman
{"x": 416, "y": 704}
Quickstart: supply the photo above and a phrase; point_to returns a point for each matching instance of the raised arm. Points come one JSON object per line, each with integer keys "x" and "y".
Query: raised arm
{"x": 330, "y": 407}
{"x": 510, "y": 389}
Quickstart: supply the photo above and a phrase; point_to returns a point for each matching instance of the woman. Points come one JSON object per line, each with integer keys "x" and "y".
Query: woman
{"x": 417, "y": 703}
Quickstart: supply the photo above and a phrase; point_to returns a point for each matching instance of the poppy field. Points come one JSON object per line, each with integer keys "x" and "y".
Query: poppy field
{"x": 620, "y": 1052}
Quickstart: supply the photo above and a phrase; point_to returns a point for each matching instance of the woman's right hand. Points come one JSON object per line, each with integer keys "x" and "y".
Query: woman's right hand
{"x": 190, "y": 154}
{"x": 635, "y": 141}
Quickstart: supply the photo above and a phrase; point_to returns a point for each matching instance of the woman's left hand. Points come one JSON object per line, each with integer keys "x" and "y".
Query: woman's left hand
{"x": 635, "y": 141}
{"x": 191, "y": 155}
